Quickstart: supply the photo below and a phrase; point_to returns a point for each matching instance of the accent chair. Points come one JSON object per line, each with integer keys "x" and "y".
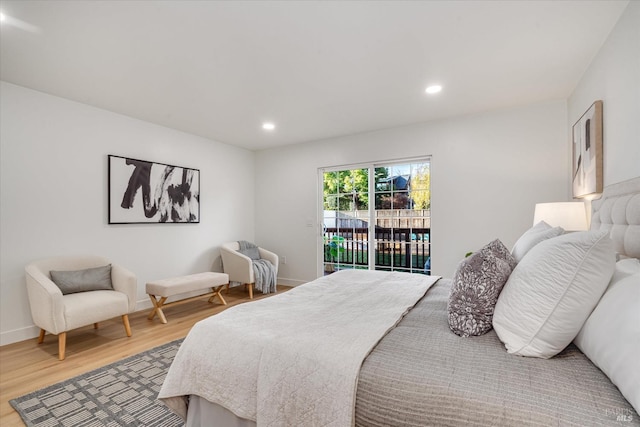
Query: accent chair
{"x": 57, "y": 313}
{"x": 239, "y": 267}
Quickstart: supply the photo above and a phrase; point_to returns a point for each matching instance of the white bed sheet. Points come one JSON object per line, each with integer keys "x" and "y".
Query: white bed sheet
{"x": 202, "y": 413}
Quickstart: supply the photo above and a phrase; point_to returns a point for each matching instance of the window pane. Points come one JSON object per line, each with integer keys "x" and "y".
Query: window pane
{"x": 383, "y": 200}
{"x": 400, "y": 200}
{"x": 346, "y": 203}
{"x": 420, "y": 199}
{"x": 419, "y": 255}
{"x": 420, "y": 177}
{"x": 381, "y": 181}
{"x": 330, "y": 182}
{"x": 331, "y": 202}
{"x": 362, "y": 203}
{"x": 357, "y": 181}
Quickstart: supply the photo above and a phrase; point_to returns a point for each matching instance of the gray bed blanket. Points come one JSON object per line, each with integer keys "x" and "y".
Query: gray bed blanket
{"x": 264, "y": 272}
{"x": 421, "y": 374}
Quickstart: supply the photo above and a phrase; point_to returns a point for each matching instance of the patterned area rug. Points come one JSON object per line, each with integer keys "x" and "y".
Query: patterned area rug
{"x": 121, "y": 394}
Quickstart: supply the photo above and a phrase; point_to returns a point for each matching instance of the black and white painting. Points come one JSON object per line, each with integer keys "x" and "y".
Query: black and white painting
{"x": 586, "y": 177}
{"x": 146, "y": 192}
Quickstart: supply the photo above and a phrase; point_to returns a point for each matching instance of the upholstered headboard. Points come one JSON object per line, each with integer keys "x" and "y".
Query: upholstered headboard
{"x": 618, "y": 210}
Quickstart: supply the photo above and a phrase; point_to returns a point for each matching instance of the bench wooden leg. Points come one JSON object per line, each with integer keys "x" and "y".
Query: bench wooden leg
{"x": 127, "y": 327}
{"x": 41, "y": 336}
{"x": 157, "y": 308}
{"x": 216, "y": 293}
{"x": 62, "y": 344}
{"x": 250, "y": 290}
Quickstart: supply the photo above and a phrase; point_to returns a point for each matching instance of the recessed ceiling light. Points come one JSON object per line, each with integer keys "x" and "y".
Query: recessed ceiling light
{"x": 433, "y": 89}
{"x": 268, "y": 126}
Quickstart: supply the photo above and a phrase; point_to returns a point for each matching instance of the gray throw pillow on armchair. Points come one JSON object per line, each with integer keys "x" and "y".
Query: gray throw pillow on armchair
{"x": 476, "y": 286}
{"x": 90, "y": 279}
{"x": 249, "y": 249}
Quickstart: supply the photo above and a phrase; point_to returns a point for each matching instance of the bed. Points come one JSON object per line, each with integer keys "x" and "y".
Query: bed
{"x": 401, "y": 365}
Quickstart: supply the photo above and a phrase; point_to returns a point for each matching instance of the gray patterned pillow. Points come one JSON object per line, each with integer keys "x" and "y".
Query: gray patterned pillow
{"x": 476, "y": 286}
{"x": 501, "y": 251}
{"x": 90, "y": 279}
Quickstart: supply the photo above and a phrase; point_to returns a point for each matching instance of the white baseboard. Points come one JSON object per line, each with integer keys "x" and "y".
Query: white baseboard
{"x": 290, "y": 282}
{"x": 17, "y": 335}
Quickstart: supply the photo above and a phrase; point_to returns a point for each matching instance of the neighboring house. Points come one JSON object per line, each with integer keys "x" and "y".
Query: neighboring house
{"x": 395, "y": 183}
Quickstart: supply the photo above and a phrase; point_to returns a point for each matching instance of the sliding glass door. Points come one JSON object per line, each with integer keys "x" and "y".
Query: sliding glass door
{"x": 377, "y": 216}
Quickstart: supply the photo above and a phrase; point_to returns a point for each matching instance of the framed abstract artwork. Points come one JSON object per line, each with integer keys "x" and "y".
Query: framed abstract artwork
{"x": 147, "y": 192}
{"x": 587, "y": 153}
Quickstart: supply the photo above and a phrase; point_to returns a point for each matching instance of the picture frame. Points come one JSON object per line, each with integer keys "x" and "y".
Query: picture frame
{"x": 142, "y": 192}
{"x": 586, "y": 176}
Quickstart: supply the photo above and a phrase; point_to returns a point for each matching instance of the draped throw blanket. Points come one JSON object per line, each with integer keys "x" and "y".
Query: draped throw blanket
{"x": 265, "y": 274}
{"x": 293, "y": 359}
{"x": 263, "y": 271}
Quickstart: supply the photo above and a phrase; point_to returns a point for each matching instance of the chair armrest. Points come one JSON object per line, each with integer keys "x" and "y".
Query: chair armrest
{"x": 238, "y": 266}
{"x": 126, "y": 282}
{"x": 271, "y": 257}
{"x": 45, "y": 300}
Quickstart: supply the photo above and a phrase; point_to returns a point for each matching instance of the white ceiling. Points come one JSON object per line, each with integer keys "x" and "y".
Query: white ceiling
{"x": 317, "y": 69}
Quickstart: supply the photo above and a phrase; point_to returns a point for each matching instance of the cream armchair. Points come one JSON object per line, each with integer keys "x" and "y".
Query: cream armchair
{"x": 239, "y": 266}
{"x": 56, "y": 313}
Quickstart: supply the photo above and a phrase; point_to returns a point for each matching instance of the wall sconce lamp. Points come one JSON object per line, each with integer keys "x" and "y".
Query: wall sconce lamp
{"x": 572, "y": 216}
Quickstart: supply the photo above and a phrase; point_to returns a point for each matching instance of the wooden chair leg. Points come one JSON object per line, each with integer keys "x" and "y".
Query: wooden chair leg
{"x": 250, "y": 290}
{"x": 62, "y": 343}
{"x": 41, "y": 336}
{"x": 127, "y": 327}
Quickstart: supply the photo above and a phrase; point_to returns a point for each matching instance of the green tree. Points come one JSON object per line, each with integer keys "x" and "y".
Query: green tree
{"x": 333, "y": 189}
{"x": 421, "y": 187}
{"x": 348, "y": 189}
{"x": 357, "y": 183}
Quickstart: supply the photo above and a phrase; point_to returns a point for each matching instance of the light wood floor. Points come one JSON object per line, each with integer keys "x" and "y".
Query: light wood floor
{"x": 26, "y": 366}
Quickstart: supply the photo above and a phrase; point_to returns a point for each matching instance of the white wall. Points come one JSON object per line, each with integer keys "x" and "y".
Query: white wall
{"x": 488, "y": 171}
{"x": 53, "y": 179}
{"x": 614, "y": 77}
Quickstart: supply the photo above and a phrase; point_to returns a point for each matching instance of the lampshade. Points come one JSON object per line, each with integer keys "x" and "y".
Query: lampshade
{"x": 571, "y": 216}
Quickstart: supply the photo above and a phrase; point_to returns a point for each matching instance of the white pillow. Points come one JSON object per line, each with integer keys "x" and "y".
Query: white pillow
{"x": 611, "y": 336}
{"x": 625, "y": 267}
{"x": 536, "y": 234}
{"x": 552, "y": 291}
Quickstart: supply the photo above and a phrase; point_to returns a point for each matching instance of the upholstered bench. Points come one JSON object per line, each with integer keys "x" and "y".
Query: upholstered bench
{"x": 160, "y": 290}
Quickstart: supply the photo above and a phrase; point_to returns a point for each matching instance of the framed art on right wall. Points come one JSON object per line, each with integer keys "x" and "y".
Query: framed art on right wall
{"x": 587, "y": 153}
